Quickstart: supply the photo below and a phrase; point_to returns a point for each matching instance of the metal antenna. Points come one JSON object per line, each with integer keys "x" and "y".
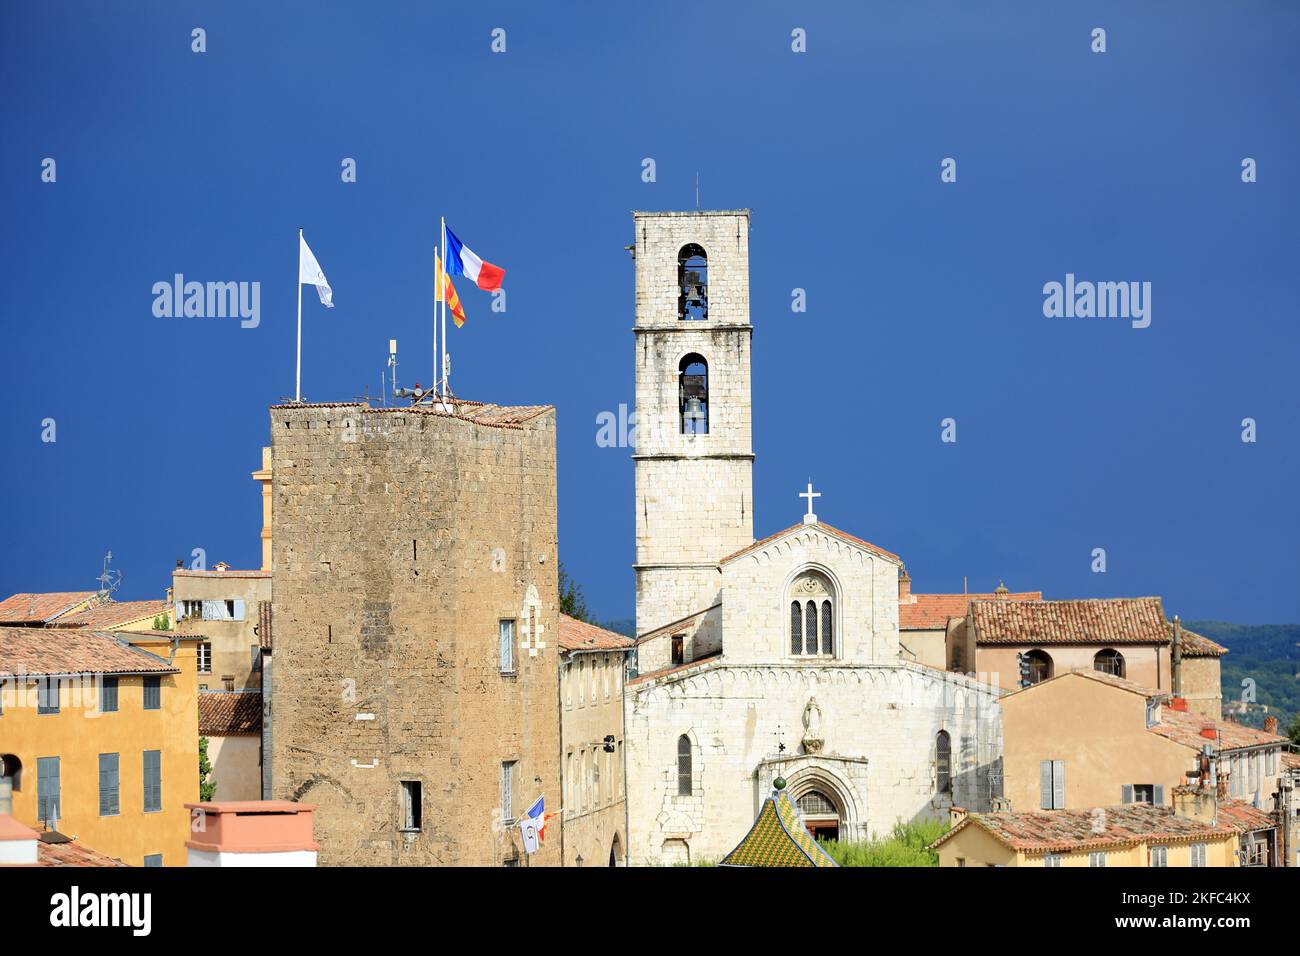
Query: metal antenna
{"x": 697, "y": 190}
{"x": 108, "y": 579}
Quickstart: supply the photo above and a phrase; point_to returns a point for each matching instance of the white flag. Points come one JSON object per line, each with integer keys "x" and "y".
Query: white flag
{"x": 309, "y": 271}
{"x": 528, "y": 827}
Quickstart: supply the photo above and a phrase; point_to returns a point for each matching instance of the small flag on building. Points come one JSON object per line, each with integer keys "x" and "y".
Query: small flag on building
{"x": 461, "y": 261}
{"x": 448, "y": 291}
{"x": 533, "y": 825}
{"x": 310, "y": 272}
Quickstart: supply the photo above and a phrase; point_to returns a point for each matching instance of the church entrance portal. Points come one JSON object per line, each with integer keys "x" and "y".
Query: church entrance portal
{"x": 820, "y": 815}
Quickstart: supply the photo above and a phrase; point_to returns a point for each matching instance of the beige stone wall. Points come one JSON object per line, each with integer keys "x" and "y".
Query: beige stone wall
{"x": 236, "y": 767}
{"x": 595, "y": 788}
{"x": 694, "y": 493}
{"x": 400, "y": 541}
{"x": 1147, "y": 665}
{"x": 701, "y": 636}
{"x": 232, "y": 641}
{"x": 756, "y": 602}
{"x": 1099, "y": 731}
{"x": 925, "y": 647}
{"x": 1202, "y": 686}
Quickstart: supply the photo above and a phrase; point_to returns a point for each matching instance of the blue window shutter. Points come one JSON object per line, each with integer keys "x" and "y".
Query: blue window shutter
{"x": 1158, "y": 795}
{"x": 1058, "y": 784}
{"x": 239, "y": 609}
{"x": 1045, "y": 784}
{"x": 1126, "y": 793}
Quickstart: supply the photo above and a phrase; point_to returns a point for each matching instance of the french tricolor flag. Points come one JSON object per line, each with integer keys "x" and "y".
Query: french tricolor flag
{"x": 461, "y": 261}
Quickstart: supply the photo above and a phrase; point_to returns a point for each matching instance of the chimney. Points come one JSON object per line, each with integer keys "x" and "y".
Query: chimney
{"x": 17, "y": 843}
{"x": 1001, "y": 591}
{"x": 1176, "y": 657}
{"x": 1209, "y": 732}
{"x": 1270, "y": 725}
{"x": 1179, "y": 704}
{"x": 251, "y": 833}
{"x": 956, "y": 815}
{"x": 904, "y": 587}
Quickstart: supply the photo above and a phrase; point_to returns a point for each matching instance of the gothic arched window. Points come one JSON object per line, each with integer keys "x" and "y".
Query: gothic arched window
{"x": 693, "y": 394}
{"x": 1109, "y": 661}
{"x": 812, "y": 615}
{"x": 683, "y": 766}
{"x": 692, "y": 283}
{"x": 943, "y": 762}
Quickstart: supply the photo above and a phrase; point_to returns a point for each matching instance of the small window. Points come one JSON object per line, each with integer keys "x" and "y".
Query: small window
{"x": 1160, "y": 856}
{"x": 108, "y": 696}
{"x": 1051, "y": 784}
{"x": 109, "y": 788}
{"x": 506, "y": 646}
{"x": 228, "y": 683}
{"x": 1142, "y": 793}
{"x": 411, "y": 804}
{"x": 679, "y": 650}
{"x": 943, "y": 762}
{"x": 1035, "y": 667}
{"x": 1097, "y": 859}
{"x": 1109, "y": 661}
{"x": 153, "y": 693}
{"x": 684, "y": 781}
{"x": 1052, "y": 859}
{"x": 48, "y": 791}
{"x": 508, "y": 791}
{"x": 152, "y": 781}
{"x": 153, "y": 859}
{"x": 47, "y": 695}
{"x": 693, "y": 283}
{"x": 205, "y": 658}
{"x": 597, "y": 797}
{"x": 1198, "y": 854}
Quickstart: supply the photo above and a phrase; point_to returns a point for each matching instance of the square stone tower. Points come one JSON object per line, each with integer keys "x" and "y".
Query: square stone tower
{"x": 694, "y": 453}
{"x": 415, "y": 692}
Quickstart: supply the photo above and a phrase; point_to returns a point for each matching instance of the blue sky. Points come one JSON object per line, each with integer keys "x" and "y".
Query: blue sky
{"x": 924, "y": 298}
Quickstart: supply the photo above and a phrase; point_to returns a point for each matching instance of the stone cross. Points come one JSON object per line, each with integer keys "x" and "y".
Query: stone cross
{"x": 810, "y": 518}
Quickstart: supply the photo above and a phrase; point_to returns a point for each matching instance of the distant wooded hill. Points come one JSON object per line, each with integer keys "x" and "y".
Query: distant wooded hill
{"x": 1268, "y": 654}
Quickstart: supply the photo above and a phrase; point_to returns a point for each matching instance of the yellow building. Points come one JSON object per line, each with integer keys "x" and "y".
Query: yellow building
{"x": 1132, "y": 835}
{"x": 592, "y": 663}
{"x": 1087, "y": 739}
{"x": 99, "y": 738}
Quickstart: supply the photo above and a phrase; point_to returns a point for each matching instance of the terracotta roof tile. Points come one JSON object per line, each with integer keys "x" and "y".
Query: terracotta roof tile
{"x": 34, "y": 651}
{"x": 1245, "y": 817}
{"x": 578, "y": 635}
{"x": 1102, "y": 621}
{"x": 1076, "y": 830}
{"x": 1196, "y": 645}
{"x": 930, "y": 612}
{"x": 822, "y": 526}
{"x": 666, "y": 671}
{"x": 114, "y": 614}
{"x": 1185, "y": 728}
{"x": 265, "y": 630}
{"x": 72, "y": 853}
{"x": 1290, "y": 760}
{"x": 40, "y": 608}
{"x": 230, "y": 713}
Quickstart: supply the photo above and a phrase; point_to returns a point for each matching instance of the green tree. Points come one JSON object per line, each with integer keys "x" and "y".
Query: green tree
{"x": 207, "y": 788}
{"x": 160, "y": 623}
{"x": 1294, "y": 731}
{"x": 572, "y": 602}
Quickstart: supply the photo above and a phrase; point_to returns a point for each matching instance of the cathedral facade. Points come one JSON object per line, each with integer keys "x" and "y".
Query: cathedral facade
{"x": 772, "y": 658}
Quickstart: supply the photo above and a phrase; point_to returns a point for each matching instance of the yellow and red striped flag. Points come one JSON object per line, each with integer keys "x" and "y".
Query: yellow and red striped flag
{"x": 449, "y": 291}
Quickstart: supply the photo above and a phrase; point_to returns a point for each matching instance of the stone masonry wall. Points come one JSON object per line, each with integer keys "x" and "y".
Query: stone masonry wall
{"x": 888, "y": 715}
{"x": 401, "y": 539}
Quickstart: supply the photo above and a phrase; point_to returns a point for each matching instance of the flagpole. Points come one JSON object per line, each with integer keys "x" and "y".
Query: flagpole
{"x": 437, "y": 294}
{"x": 297, "y": 387}
{"x": 442, "y": 369}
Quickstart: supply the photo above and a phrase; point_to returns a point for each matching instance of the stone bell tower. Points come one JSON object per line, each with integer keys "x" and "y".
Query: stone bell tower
{"x": 694, "y": 453}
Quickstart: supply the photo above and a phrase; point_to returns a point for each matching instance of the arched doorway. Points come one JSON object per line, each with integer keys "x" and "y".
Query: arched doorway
{"x": 616, "y": 852}
{"x": 820, "y": 815}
